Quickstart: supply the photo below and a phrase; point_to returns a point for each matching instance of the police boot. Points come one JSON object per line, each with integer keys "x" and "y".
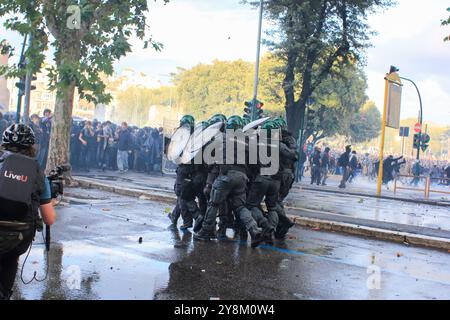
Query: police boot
{"x": 283, "y": 227}
{"x": 198, "y": 223}
{"x": 204, "y": 235}
{"x": 222, "y": 232}
{"x": 257, "y": 237}
{"x": 268, "y": 235}
{"x": 243, "y": 234}
{"x": 187, "y": 224}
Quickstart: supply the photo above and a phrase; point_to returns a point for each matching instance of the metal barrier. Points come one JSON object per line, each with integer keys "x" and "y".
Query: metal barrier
{"x": 427, "y": 188}
{"x": 424, "y": 190}
{"x": 437, "y": 191}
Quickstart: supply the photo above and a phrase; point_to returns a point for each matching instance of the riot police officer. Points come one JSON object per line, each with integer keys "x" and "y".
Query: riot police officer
{"x": 287, "y": 169}
{"x": 188, "y": 184}
{"x": 230, "y": 185}
{"x": 23, "y": 190}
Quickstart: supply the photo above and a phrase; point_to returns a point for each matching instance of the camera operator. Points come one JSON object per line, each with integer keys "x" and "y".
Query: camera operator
{"x": 23, "y": 190}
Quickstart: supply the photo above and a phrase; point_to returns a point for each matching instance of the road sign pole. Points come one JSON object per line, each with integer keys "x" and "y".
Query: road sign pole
{"x": 403, "y": 144}
{"x": 383, "y": 130}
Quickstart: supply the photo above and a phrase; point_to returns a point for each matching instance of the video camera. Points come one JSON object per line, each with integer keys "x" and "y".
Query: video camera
{"x": 56, "y": 179}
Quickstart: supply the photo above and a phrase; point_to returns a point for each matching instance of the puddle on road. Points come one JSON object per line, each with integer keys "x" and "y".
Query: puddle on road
{"x": 81, "y": 271}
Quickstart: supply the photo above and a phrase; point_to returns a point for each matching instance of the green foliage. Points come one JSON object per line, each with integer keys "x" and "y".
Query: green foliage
{"x": 315, "y": 39}
{"x": 81, "y": 54}
{"x": 220, "y": 87}
{"x": 366, "y": 124}
{"x": 446, "y": 22}
{"x": 133, "y": 104}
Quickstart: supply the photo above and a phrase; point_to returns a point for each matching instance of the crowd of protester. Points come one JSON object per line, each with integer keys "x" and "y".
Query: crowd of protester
{"x": 323, "y": 163}
{"x": 100, "y": 145}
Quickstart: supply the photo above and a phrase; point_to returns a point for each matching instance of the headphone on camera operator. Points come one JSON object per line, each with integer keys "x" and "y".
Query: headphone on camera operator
{"x": 24, "y": 191}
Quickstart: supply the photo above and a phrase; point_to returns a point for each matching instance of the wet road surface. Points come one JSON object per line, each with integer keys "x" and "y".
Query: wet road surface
{"x": 383, "y": 210}
{"x": 96, "y": 254}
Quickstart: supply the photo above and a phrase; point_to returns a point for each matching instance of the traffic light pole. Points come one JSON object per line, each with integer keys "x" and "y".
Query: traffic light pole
{"x": 21, "y": 64}
{"x": 258, "y": 53}
{"x": 420, "y": 115}
{"x": 26, "y": 108}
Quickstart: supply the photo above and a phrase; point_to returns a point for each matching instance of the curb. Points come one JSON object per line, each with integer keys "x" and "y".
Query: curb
{"x": 154, "y": 195}
{"x": 419, "y": 201}
{"x": 323, "y": 224}
{"x": 381, "y": 234}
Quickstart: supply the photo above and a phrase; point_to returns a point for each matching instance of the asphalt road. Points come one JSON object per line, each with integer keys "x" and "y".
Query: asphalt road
{"x": 96, "y": 254}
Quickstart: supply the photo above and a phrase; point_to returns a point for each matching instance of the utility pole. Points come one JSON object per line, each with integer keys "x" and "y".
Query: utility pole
{"x": 258, "y": 52}
{"x": 20, "y": 84}
{"x": 28, "y": 88}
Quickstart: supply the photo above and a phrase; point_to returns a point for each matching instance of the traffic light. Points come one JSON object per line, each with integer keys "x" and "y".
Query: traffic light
{"x": 425, "y": 141}
{"x": 259, "y": 110}
{"x": 416, "y": 143}
{"x": 32, "y": 87}
{"x": 253, "y": 112}
{"x": 21, "y": 86}
{"x": 247, "y": 110}
{"x": 310, "y": 118}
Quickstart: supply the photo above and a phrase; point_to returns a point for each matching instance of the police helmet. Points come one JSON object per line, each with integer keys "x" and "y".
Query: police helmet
{"x": 235, "y": 122}
{"x": 187, "y": 119}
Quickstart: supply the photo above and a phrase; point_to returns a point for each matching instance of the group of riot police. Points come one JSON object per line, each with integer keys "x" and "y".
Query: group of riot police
{"x": 234, "y": 192}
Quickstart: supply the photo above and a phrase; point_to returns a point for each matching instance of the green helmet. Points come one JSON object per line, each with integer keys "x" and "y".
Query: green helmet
{"x": 270, "y": 125}
{"x": 203, "y": 124}
{"x": 246, "y": 120}
{"x": 235, "y": 122}
{"x": 217, "y": 118}
{"x": 281, "y": 123}
{"x": 187, "y": 119}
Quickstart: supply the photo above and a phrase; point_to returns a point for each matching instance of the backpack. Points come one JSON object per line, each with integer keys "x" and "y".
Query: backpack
{"x": 18, "y": 181}
{"x": 340, "y": 161}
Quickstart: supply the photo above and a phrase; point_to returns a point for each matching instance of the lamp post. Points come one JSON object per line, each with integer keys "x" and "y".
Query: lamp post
{"x": 420, "y": 114}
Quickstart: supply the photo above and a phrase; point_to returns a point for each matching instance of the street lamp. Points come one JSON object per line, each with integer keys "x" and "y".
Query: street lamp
{"x": 420, "y": 114}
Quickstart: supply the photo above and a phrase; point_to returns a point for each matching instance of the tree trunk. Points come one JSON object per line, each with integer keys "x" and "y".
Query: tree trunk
{"x": 59, "y": 149}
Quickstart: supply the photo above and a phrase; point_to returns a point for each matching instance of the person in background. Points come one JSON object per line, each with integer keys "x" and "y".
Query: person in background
{"x": 3, "y": 124}
{"x": 87, "y": 139}
{"x": 315, "y": 166}
{"x": 343, "y": 162}
{"x": 353, "y": 165}
{"x": 124, "y": 142}
{"x": 324, "y": 165}
{"x": 46, "y": 126}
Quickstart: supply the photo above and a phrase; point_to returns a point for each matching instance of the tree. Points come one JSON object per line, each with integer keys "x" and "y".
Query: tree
{"x": 337, "y": 100}
{"x": 220, "y": 87}
{"x": 87, "y": 37}
{"x": 446, "y": 22}
{"x": 133, "y": 104}
{"x": 315, "y": 38}
{"x": 366, "y": 124}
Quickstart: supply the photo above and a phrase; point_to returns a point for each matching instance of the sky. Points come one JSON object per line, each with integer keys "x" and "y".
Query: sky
{"x": 409, "y": 36}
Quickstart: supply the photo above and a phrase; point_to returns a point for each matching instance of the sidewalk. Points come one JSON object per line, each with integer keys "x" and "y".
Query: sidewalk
{"x": 362, "y": 186}
{"x": 381, "y": 218}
